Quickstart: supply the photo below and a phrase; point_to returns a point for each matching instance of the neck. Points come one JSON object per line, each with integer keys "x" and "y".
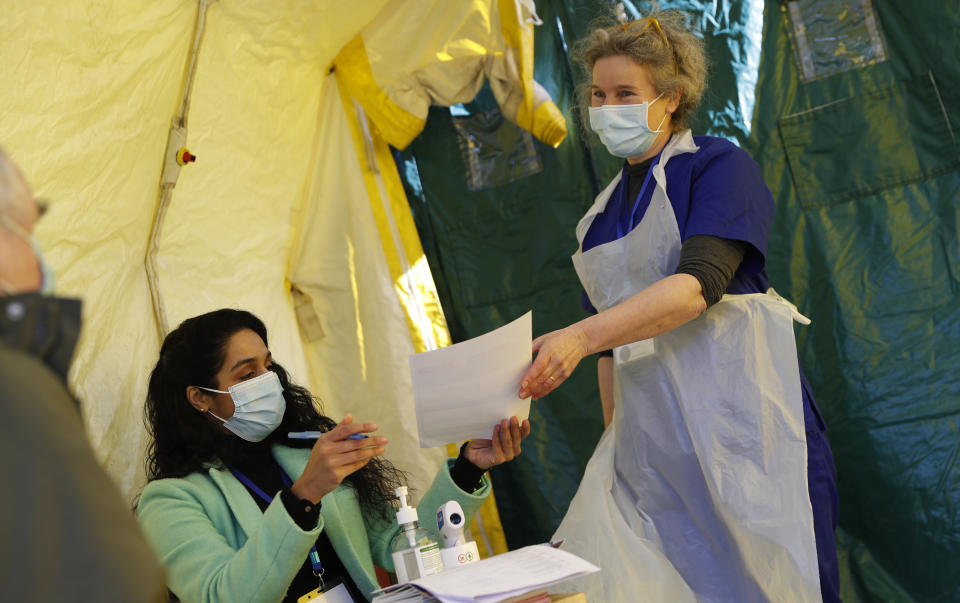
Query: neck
{"x": 661, "y": 141}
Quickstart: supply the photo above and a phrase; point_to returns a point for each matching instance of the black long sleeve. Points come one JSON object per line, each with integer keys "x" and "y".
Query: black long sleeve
{"x": 465, "y": 474}
{"x": 713, "y": 261}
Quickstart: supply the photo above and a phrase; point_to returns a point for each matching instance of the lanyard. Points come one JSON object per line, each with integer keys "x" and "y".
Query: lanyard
{"x": 314, "y": 555}
{"x": 636, "y": 203}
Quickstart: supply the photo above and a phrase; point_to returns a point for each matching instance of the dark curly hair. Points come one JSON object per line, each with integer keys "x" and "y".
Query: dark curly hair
{"x": 184, "y": 441}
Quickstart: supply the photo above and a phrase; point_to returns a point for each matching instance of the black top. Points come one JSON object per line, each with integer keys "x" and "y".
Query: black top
{"x": 636, "y": 174}
{"x": 713, "y": 261}
{"x": 263, "y": 470}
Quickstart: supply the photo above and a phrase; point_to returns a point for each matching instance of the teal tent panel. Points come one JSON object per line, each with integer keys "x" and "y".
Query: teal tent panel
{"x": 863, "y": 162}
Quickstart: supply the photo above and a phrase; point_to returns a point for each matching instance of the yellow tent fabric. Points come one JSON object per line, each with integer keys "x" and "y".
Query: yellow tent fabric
{"x": 293, "y": 209}
{"x": 396, "y": 76}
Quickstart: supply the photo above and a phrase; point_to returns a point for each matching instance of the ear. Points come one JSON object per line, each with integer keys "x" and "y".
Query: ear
{"x": 197, "y": 398}
{"x": 673, "y": 101}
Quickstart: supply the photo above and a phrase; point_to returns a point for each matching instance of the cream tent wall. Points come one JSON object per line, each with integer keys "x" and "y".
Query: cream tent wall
{"x": 293, "y": 209}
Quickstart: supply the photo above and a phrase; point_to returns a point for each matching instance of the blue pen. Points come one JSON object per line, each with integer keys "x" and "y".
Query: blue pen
{"x": 313, "y": 435}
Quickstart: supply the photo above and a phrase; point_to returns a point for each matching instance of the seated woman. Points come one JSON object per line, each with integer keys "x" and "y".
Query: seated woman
{"x": 236, "y": 511}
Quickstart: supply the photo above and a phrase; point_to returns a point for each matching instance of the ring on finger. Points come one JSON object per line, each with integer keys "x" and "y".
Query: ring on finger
{"x": 551, "y": 378}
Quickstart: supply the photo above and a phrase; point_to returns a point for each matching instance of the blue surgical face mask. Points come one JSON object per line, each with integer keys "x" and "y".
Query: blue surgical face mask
{"x": 258, "y": 406}
{"x": 49, "y": 280}
{"x": 623, "y": 129}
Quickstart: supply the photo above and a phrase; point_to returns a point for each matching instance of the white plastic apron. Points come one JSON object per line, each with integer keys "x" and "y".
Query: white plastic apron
{"x": 698, "y": 490}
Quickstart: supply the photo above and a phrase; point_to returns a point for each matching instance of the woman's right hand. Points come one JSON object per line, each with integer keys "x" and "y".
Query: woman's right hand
{"x": 558, "y": 353}
{"x": 334, "y": 457}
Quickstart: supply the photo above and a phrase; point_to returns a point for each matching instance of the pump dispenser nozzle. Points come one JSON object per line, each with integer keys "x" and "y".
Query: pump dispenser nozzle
{"x": 406, "y": 514}
{"x": 414, "y": 551}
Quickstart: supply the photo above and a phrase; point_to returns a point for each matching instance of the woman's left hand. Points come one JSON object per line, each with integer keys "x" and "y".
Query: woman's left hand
{"x": 503, "y": 447}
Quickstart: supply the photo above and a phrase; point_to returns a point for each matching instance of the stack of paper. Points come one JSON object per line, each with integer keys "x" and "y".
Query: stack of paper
{"x": 403, "y": 593}
{"x": 491, "y": 580}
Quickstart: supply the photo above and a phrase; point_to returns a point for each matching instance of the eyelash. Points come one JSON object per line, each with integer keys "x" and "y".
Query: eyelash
{"x": 599, "y": 94}
{"x": 252, "y": 374}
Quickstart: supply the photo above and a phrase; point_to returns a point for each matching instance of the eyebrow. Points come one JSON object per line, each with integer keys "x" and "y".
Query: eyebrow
{"x": 248, "y": 361}
{"x": 618, "y": 87}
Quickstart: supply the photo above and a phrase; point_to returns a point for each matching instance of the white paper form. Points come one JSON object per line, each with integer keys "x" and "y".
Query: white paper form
{"x": 462, "y": 391}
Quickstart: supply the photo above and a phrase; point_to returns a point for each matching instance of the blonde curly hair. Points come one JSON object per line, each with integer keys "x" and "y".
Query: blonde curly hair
{"x": 675, "y": 61}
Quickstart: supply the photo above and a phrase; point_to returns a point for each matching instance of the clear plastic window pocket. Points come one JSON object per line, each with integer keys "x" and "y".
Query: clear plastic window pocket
{"x": 830, "y": 36}
{"x": 633, "y": 351}
{"x": 495, "y": 150}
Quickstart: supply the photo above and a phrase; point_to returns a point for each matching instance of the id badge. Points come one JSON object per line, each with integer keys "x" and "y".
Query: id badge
{"x": 337, "y": 594}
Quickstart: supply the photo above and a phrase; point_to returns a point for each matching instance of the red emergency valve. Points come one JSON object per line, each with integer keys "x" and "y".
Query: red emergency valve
{"x": 184, "y": 156}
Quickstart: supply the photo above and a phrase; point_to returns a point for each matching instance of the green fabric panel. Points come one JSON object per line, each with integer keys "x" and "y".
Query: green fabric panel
{"x": 863, "y": 164}
{"x": 903, "y": 126}
{"x": 495, "y": 252}
{"x": 861, "y": 577}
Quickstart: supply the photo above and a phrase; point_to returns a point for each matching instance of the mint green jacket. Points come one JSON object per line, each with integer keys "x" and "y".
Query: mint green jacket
{"x": 216, "y": 545}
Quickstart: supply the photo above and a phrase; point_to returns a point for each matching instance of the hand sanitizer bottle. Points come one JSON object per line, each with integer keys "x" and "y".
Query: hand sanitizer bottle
{"x": 415, "y": 552}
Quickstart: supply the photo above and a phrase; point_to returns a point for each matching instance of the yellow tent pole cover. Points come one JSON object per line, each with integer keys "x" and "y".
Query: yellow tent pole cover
{"x": 407, "y": 262}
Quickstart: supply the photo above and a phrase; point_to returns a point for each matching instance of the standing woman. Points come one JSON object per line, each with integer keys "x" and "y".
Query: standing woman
{"x": 714, "y": 480}
{"x": 236, "y": 511}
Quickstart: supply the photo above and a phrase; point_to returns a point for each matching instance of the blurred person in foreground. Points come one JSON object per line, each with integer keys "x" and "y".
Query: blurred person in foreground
{"x": 67, "y": 534}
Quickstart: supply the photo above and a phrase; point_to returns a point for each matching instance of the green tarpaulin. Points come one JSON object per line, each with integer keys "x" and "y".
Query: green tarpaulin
{"x": 863, "y": 163}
